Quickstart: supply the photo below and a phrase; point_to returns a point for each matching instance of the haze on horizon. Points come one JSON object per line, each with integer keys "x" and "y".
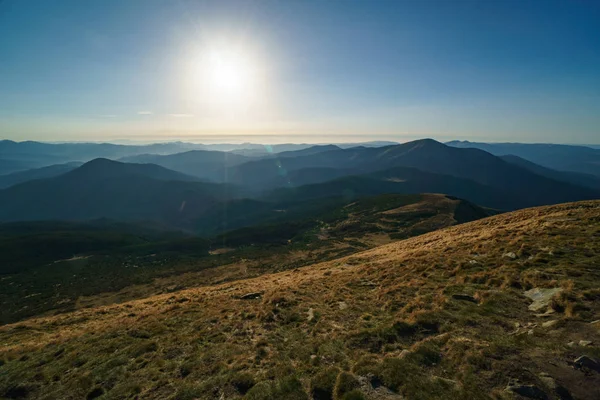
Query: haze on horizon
{"x": 311, "y": 72}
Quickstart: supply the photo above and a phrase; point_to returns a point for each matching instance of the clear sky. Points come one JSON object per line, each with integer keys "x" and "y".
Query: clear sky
{"x": 300, "y": 70}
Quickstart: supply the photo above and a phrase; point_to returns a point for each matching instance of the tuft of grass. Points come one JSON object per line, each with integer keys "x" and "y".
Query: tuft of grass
{"x": 323, "y": 383}
{"x": 345, "y": 383}
{"x": 374, "y": 339}
{"x": 354, "y": 395}
{"x": 426, "y": 354}
{"x": 242, "y": 382}
{"x": 289, "y": 388}
{"x": 395, "y": 372}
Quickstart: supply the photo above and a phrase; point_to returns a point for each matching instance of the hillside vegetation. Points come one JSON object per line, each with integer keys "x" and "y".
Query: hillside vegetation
{"x": 81, "y": 264}
{"x": 444, "y": 315}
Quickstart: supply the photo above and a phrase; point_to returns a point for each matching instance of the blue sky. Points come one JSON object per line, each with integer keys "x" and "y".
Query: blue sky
{"x": 524, "y": 71}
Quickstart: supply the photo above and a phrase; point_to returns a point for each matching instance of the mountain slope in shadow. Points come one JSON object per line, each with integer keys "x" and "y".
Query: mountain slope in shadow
{"x": 108, "y": 189}
{"x": 561, "y": 157}
{"x": 36, "y": 173}
{"x": 576, "y": 178}
{"x": 515, "y": 182}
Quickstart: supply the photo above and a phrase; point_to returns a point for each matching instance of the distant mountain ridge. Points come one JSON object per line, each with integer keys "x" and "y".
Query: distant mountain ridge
{"x": 561, "y": 157}
{"x": 200, "y": 163}
{"x": 36, "y": 173}
{"x": 108, "y": 189}
{"x": 20, "y": 156}
{"x": 577, "y": 178}
{"x": 426, "y": 155}
{"x": 177, "y": 197}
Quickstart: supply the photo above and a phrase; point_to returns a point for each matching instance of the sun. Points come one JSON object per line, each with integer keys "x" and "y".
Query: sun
{"x": 225, "y": 78}
{"x": 229, "y": 73}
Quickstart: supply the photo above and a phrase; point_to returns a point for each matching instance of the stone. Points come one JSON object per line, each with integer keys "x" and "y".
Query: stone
{"x": 373, "y": 388}
{"x": 529, "y": 391}
{"x": 342, "y": 305}
{"x": 251, "y": 296}
{"x": 547, "y": 380}
{"x": 549, "y": 324}
{"x": 546, "y": 314}
{"x": 571, "y": 344}
{"x": 311, "y": 314}
{"x": 541, "y": 297}
{"x": 587, "y": 362}
{"x": 465, "y": 297}
{"x": 174, "y": 288}
{"x": 510, "y": 255}
{"x": 584, "y": 343}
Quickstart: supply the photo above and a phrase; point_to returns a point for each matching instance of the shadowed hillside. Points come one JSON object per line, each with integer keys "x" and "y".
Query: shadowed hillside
{"x": 524, "y": 187}
{"x": 445, "y": 315}
{"x": 108, "y": 189}
{"x": 199, "y": 163}
{"x": 577, "y": 178}
{"x": 36, "y": 173}
{"x": 582, "y": 159}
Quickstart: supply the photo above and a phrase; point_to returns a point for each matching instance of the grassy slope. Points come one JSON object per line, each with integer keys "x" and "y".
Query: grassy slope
{"x": 107, "y": 263}
{"x": 356, "y": 314}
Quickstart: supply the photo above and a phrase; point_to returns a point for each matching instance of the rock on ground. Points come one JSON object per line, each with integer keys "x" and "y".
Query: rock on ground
{"x": 541, "y": 297}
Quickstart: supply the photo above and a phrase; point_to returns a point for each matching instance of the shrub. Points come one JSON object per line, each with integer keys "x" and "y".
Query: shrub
{"x": 288, "y": 388}
{"x": 323, "y": 384}
{"x": 368, "y": 364}
{"x": 96, "y": 392}
{"x": 354, "y": 395}
{"x": 143, "y": 348}
{"x": 395, "y": 372}
{"x": 242, "y": 382}
{"x": 189, "y": 392}
{"x": 426, "y": 354}
{"x": 344, "y": 384}
{"x": 374, "y": 339}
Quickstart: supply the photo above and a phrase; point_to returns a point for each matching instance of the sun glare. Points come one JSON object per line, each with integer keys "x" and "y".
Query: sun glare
{"x": 229, "y": 73}
{"x": 227, "y": 78}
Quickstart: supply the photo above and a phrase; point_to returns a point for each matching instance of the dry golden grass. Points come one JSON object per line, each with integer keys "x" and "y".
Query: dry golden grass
{"x": 348, "y": 235}
{"x": 388, "y": 312}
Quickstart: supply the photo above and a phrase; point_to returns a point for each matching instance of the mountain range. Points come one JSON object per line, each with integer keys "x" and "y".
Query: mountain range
{"x": 211, "y": 191}
{"x": 20, "y": 156}
{"x": 583, "y": 159}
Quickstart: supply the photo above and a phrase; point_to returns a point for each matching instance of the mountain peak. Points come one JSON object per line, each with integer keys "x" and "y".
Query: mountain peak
{"x": 427, "y": 142}
{"x": 100, "y": 168}
{"x": 101, "y": 161}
